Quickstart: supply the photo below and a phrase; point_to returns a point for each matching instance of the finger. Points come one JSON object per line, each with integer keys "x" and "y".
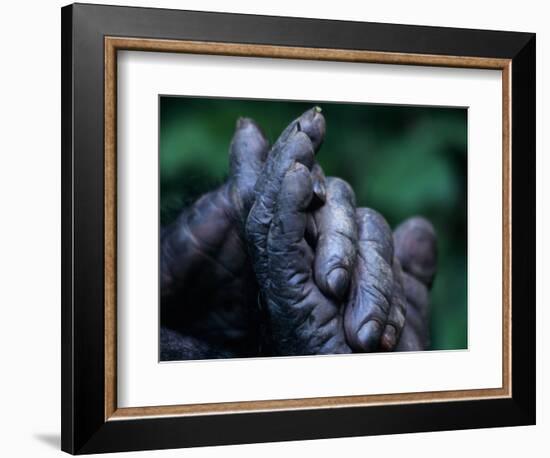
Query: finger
{"x": 201, "y": 233}
{"x": 398, "y": 310}
{"x": 303, "y": 319}
{"x": 247, "y": 154}
{"x": 417, "y": 293}
{"x": 297, "y": 149}
{"x": 337, "y": 239}
{"x": 368, "y": 307}
{"x": 286, "y": 245}
{"x": 297, "y": 143}
{"x": 312, "y": 123}
{"x": 416, "y": 248}
{"x": 416, "y": 333}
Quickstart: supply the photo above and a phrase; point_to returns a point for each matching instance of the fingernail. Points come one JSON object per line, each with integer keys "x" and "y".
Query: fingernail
{"x": 389, "y": 339}
{"x": 369, "y": 335}
{"x": 337, "y": 281}
{"x": 242, "y": 122}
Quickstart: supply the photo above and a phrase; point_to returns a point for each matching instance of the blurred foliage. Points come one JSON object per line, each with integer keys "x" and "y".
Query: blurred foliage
{"x": 400, "y": 160}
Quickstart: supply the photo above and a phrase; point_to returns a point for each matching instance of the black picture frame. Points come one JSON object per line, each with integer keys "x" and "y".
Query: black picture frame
{"x": 84, "y": 427}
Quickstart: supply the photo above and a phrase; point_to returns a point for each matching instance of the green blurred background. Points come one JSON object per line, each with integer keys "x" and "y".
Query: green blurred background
{"x": 400, "y": 160}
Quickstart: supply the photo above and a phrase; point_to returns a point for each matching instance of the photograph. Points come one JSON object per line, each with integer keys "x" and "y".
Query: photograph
{"x": 301, "y": 228}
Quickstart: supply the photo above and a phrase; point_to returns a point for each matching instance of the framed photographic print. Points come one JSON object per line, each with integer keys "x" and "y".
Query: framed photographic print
{"x": 281, "y": 228}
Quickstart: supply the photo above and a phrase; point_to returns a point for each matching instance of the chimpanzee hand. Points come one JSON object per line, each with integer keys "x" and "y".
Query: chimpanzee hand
{"x": 352, "y": 246}
{"x": 205, "y": 274}
{"x": 298, "y": 318}
{"x": 208, "y": 287}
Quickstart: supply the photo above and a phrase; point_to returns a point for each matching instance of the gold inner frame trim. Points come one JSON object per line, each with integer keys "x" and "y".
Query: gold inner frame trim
{"x": 114, "y": 44}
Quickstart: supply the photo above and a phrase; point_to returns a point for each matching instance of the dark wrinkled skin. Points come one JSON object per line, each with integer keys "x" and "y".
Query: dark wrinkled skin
{"x": 208, "y": 287}
{"x": 415, "y": 244}
{"x": 375, "y": 312}
{"x": 336, "y": 247}
{"x": 207, "y": 283}
{"x": 301, "y": 320}
{"x": 355, "y": 297}
{"x": 298, "y": 317}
